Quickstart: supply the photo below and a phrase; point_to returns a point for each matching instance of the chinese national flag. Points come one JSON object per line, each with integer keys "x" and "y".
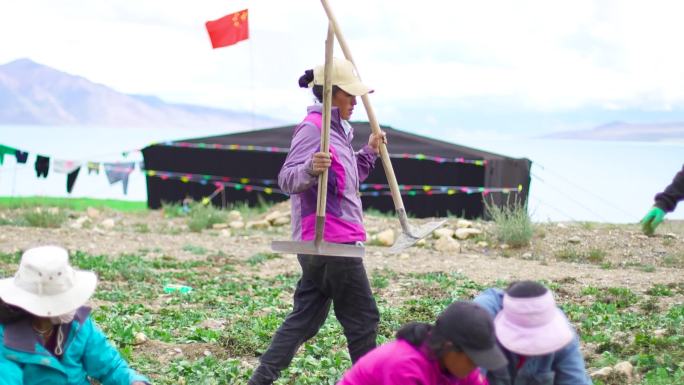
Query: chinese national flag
{"x": 229, "y": 29}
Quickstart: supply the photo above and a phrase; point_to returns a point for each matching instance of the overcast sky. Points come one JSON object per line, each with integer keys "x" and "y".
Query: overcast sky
{"x": 540, "y": 56}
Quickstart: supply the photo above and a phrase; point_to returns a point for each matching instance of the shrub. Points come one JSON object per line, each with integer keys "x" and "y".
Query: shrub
{"x": 513, "y": 225}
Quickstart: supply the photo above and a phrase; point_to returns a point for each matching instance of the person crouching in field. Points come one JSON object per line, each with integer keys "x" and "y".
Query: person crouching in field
{"x": 446, "y": 353}
{"x": 541, "y": 346}
{"x": 46, "y": 334}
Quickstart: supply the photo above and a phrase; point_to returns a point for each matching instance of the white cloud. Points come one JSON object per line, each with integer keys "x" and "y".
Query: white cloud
{"x": 540, "y": 54}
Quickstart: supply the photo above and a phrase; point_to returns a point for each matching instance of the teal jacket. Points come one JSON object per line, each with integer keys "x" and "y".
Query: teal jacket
{"x": 87, "y": 353}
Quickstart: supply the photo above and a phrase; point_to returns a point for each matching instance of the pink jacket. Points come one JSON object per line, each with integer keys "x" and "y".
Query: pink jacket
{"x": 400, "y": 363}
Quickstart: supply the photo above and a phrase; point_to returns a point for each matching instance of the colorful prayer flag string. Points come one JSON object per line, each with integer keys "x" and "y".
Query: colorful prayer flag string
{"x": 284, "y": 150}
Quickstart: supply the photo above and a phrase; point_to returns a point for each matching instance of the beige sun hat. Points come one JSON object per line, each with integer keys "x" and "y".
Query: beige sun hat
{"x": 46, "y": 285}
{"x": 344, "y": 76}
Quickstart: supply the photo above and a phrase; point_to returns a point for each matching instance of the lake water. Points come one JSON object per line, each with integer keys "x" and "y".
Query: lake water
{"x": 571, "y": 180}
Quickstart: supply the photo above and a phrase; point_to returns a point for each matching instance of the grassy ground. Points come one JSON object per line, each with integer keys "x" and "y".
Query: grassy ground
{"x": 241, "y": 292}
{"x": 78, "y": 204}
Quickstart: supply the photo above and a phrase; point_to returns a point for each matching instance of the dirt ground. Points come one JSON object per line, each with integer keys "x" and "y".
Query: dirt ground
{"x": 585, "y": 254}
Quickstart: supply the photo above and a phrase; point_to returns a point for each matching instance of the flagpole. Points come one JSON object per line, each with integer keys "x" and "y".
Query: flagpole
{"x": 251, "y": 77}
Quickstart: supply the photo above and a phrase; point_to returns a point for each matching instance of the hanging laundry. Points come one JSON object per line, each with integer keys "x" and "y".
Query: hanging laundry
{"x": 6, "y": 150}
{"x": 22, "y": 156}
{"x": 69, "y": 167}
{"x": 119, "y": 171}
{"x": 93, "y": 167}
{"x": 42, "y": 166}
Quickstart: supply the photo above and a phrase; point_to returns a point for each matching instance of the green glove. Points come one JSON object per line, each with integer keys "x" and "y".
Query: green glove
{"x": 652, "y": 219}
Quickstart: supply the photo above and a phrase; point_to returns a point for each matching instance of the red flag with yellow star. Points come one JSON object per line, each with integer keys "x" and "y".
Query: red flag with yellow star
{"x": 229, "y": 29}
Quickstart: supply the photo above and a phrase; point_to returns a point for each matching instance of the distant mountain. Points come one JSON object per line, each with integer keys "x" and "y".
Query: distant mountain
{"x": 32, "y": 93}
{"x": 654, "y": 132}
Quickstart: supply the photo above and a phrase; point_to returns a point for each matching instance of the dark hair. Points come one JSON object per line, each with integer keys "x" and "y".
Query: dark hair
{"x": 419, "y": 333}
{"x": 526, "y": 289}
{"x": 307, "y": 78}
{"x": 10, "y": 314}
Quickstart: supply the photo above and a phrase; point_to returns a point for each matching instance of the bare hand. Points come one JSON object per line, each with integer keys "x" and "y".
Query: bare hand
{"x": 374, "y": 140}
{"x": 320, "y": 162}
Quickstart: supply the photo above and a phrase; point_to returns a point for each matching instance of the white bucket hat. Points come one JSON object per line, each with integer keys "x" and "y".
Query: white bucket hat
{"x": 344, "y": 76}
{"x": 46, "y": 285}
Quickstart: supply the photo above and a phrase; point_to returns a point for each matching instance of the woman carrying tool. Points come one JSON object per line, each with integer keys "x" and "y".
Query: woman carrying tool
{"x": 446, "y": 353}
{"x": 327, "y": 280}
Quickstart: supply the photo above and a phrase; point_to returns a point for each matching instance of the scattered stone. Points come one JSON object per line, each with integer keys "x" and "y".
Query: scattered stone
{"x": 219, "y": 226}
{"x": 575, "y": 240}
{"x": 442, "y": 233}
{"x": 641, "y": 236}
{"x": 225, "y": 233}
{"x": 108, "y": 223}
{"x": 465, "y": 233}
{"x": 92, "y": 212}
{"x": 449, "y": 245}
{"x": 236, "y": 224}
{"x": 624, "y": 368}
{"x": 53, "y": 210}
{"x": 670, "y": 235}
{"x": 602, "y": 373}
{"x": 527, "y": 255}
{"x": 505, "y": 246}
{"x": 234, "y": 216}
{"x": 660, "y": 332}
{"x": 404, "y": 256}
{"x": 213, "y": 324}
{"x": 206, "y": 353}
{"x": 561, "y": 226}
{"x": 78, "y": 223}
{"x": 281, "y": 221}
{"x": 463, "y": 223}
{"x": 262, "y": 224}
{"x": 482, "y": 244}
{"x": 385, "y": 238}
{"x": 421, "y": 242}
{"x": 140, "y": 338}
{"x": 178, "y": 350}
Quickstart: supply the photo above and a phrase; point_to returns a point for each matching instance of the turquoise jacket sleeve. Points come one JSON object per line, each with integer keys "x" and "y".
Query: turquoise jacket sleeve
{"x": 103, "y": 362}
{"x": 10, "y": 371}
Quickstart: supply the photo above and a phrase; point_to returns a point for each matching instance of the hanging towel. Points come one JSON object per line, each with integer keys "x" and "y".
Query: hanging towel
{"x": 119, "y": 171}
{"x": 42, "y": 166}
{"x": 93, "y": 167}
{"x": 6, "y": 150}
{"x": 71, "y": 179}
{"x": 22, "y": 156}
{"x": 65, "y": 166}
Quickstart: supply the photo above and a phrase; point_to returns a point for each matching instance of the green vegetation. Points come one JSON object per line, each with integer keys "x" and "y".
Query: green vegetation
{"x": 202, "y": 217}
{"x": 513, "y": 225}
{"x": 78, "y": 204}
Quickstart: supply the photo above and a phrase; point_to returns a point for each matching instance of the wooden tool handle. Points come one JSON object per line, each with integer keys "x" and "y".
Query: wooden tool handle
{"x": 375, "y": 127}
{"x": 325, "y": 130}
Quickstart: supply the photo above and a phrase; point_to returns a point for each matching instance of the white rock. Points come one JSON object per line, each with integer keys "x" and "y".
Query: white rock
{"x": 660, "y": 332}
{"x": 281, "y": 221}
{"x": 443, "y": 232}
{"x": 262, "y": 224}
{"x": 624, "y": 368}
{"x": 236, "y": 224}
{"x": 219, "y": 226}
{"x": 385, "y": 238}
{"x": 404, "y": 256}
{"x": 421, "y": 242}
{"x": 449, "y": 245}
{"x": 207, "y": 353}
{"x": 482, "y": 244}
{"x": 670, "y": 235}
{"x": 561, "y": 226}
{"x": 92, "y": 212}
{"x": 140, "y": 338}
{"x": 272, "y": 216}
{"x": 575, "y": 240}
{"x": 505, "y": 246}
{"x": 53, "y": 210}
{"x": 108, "y": 223}
{"x": 225, "y": 233}
{"x": 602, "y": 373}
{"x": 465, "y": 233}
{"x": 463, "y": 223}
{"x": 234, "y": 216}
{"x": 78, "y": 223}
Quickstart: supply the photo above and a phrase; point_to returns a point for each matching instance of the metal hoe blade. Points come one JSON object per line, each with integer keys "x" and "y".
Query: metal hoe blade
{"x": 412, "y": 235}
{"x": 322, "y": 248}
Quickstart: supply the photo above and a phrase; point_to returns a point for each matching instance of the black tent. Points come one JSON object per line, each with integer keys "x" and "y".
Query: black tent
{"x": 437, "y": 177}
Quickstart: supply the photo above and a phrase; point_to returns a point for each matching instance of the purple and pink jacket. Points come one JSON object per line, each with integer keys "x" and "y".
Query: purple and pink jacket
{"x": 400, "y": 363}
{"x": 344, "y": 213}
